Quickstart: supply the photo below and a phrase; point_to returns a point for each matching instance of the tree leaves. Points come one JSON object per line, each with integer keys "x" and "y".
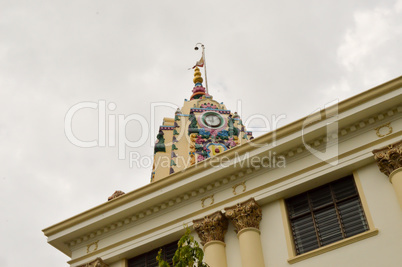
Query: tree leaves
{"x": 188, "y": 253}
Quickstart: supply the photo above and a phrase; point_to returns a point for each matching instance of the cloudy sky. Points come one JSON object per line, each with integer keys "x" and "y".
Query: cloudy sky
{"x": 265, "y": 58}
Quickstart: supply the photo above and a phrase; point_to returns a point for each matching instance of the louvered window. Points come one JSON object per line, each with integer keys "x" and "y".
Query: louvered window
{"x": 149, "y": 259}
{"x": 325, "y": 215}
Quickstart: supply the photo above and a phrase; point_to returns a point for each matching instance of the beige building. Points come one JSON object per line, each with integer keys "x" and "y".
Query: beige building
{"x": 325, "y": 190}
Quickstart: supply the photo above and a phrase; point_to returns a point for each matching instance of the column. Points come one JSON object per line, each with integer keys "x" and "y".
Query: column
{"x": 246, "y": 219}
{"x": 211, "y": 230}
{"x": 389, "y": 161}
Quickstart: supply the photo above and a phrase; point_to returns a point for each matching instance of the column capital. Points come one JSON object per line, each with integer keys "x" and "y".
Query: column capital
{"x": 98, "y": 262}
{"x": 389, "y": 158}
{"x": 245, "y": 215}
{"x": 211, "y": 228}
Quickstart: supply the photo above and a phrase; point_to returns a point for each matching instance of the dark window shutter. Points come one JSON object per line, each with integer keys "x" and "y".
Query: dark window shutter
{"x": 169, "y": 252}
{"x": 326, "y": 215}
{"x": 148, "y": 259}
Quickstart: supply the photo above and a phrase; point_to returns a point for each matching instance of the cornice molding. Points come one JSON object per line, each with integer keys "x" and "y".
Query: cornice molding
{"x": 98, "y": 262}
{"x": 349, "y": 130}
{"x": 116, "y": 194}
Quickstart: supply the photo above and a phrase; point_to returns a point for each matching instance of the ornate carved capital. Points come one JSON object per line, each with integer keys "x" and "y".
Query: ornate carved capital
{"x": 211, "y": 228}
{"x": 389, "y": 158}
{"x": 244, "y": 215}
{"x": 98, "y": 262}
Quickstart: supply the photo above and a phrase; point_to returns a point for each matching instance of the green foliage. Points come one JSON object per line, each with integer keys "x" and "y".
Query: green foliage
{"x": 188, "y": 253}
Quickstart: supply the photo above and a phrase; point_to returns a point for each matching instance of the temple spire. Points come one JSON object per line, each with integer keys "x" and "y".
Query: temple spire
{"x": 202, "y": 63}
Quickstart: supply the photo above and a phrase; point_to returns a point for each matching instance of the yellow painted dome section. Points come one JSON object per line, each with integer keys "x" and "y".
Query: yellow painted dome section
{"x": 197, "y": 76}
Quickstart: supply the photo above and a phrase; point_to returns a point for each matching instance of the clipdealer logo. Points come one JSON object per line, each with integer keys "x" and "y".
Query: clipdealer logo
{"x": 112, "y": 127}
{"x": 112, "y": 130}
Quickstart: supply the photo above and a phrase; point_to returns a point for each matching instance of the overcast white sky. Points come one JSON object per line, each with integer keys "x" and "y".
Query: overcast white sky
{"x": 277, "y": 57}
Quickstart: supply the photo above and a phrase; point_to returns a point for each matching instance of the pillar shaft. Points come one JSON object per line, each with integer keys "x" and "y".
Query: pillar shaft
{"x": 251, "y": 248}
{"x": 215, "y": 254}
{"x": 396, "y": 179}
{"x": 211, "y": 230}
{"x": 246, "y": 219}
{"x": 389, "y": 161}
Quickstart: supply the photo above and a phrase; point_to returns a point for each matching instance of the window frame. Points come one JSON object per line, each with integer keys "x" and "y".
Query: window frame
{"x": 293, "y": 257}
{"x": 154, "y": 252}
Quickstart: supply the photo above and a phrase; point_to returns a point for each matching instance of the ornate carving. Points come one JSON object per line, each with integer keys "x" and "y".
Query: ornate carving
{"x": 98, "y": 262}
{"x": 245, "y": 215}
{"x": 389, "y": 158}
{"x": 116, "y": 194}
{"x": 237, "y": 185}
{"x": 193, "y": 126}
{"x": 211, "y": 197}
{"x": 208, "y": 106}
{"x": 211, "y": 228}
{"x": 95, "y": 246}
{"x": 193, "y": 137}
{"x": 160, "y": 143}
{"x": 232, "y": 129}
{"x": 378, "y": 130}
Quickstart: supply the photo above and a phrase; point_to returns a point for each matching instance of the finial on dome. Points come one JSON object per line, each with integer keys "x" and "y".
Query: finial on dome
{"x": 198, "y": 90}
{"x": 197, "y": 76}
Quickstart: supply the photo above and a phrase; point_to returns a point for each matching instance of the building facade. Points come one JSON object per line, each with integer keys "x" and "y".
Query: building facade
{"x": 323, "y": 190}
